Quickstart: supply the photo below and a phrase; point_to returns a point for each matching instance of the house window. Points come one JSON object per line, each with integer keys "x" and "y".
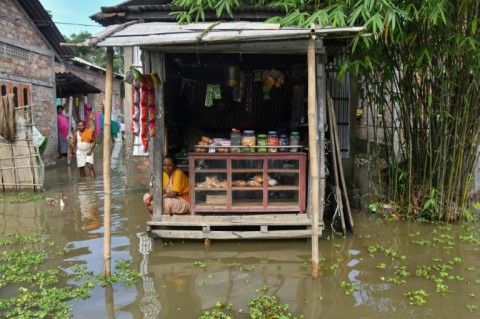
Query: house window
{"x": 25, "y": 96}
{"x": 22, "y": 92}
{"x": 15, "y": 99}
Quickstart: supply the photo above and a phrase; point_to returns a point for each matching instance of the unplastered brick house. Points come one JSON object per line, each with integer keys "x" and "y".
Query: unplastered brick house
{"x": 32, "y": 62}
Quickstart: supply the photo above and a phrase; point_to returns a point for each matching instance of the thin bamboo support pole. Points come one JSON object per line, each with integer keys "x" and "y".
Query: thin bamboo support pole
{"x": 338, "y": 193}
{"x": 20, "y": 184}
{"x": 313, "y": 145}
{"x": 338, "y": 159}
{"x": 69, "y": 134}
{"x": 106, "y": 164}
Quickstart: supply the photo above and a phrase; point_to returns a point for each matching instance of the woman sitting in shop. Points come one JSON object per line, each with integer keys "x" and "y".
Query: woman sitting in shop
{"x": 175, "y": 189}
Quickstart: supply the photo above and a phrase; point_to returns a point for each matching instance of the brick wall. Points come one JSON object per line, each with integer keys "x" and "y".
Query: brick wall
{"x": 27, "y": 60}
{"x": 15, "y": 25}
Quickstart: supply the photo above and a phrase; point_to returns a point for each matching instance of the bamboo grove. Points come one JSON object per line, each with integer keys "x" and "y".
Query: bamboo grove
{"x": 419, "y": 65}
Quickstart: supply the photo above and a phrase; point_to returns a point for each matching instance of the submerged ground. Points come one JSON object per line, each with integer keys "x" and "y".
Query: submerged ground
{"x": 387, "y": 269}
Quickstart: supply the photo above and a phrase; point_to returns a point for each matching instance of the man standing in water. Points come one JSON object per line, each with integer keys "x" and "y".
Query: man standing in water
{"x": 84, "y": 142}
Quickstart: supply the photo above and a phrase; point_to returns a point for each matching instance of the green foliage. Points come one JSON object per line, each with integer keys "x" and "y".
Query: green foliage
{"x": 417, "y": 297}
{"x": 419, "y": 66}
{"x": 20, "y": 197}
{"x": 263, "y": 307}
{"x": 39, "y": 293}
{"x": 97, "y": 56}
{"x": 267, "y": 307}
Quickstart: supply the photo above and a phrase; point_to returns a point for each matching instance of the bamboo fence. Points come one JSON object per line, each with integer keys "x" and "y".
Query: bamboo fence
{"x": 21, "y": 166}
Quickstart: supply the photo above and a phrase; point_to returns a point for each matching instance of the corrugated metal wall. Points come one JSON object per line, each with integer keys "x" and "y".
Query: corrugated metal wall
{"x": 340, "y": 94}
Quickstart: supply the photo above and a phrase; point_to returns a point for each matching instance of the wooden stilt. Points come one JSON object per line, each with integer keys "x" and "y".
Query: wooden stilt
{"x": 106, "y": 163}
{"x": 313, "y": 149}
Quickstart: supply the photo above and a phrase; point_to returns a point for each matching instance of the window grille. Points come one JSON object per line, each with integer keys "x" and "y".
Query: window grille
{"x": 11, "y": 51}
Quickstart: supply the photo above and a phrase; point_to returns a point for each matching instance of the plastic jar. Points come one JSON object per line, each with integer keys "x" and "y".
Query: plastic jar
{"x": 283, "y": 141}
{"x": 235, "y": 140}
{"x": 249, "y": 140}
{"x": 294, "y": 141}
{"x": 262, "y": 141}
{"x": 272, "y": 141}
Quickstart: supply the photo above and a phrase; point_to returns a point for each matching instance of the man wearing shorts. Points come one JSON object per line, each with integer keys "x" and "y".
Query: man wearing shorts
{"x": 84, "y": 142}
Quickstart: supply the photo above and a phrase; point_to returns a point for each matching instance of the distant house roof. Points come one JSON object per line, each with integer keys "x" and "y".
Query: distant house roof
{"x": 89, "y": 65}
{"x": 69, "y": 84}
{"x": 44, "y": 23}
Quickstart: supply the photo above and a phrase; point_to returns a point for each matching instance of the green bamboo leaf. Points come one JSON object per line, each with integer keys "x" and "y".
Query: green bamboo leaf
{"x": 354, "y": 16}
{"x": 474, "y": 26}
{"x": 344, "y": 68}
{"x": 473, "y": 43}
{"x": 354, "y": 44}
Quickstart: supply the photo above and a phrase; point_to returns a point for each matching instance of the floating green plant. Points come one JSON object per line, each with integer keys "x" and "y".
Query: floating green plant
{"x": 200, "y": 264}
{"x": 264, "y": 288}
{"x": 401, "y": 271}
{"x": 38, "y": 294}
{"x": 247, "y": 268}
{"x": 349, "y": 287}
{"x": 473, "y": 308}
{"x": 417, "y": 297}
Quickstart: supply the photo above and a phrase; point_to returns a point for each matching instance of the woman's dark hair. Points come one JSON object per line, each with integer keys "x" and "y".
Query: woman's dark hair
{"x": 172, "y": 158}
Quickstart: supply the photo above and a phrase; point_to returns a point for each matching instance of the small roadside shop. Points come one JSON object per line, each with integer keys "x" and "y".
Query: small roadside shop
{"x": 243, "y": 105}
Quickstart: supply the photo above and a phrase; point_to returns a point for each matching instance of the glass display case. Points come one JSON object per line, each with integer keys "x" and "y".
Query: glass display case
{"x": 247, "y": 182}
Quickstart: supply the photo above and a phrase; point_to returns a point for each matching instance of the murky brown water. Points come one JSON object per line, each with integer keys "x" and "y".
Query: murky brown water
{"x": 173, "y": 287}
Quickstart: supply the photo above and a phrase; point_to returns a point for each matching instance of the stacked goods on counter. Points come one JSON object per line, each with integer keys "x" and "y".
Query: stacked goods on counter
{"x": 212, "y": 182}
{"x": 207, "y": 144}
{"x": 255, "y": 181}
{"x": 248, "y": 142}
{"x": 202, "y": 145}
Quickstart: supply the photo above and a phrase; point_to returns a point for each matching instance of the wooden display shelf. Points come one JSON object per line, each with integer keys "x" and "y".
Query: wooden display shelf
{"x": 266, "y": 198}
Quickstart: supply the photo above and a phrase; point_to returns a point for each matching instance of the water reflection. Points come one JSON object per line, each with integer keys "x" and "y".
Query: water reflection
{"x": 173, "y": 286}
{"x": 149, "y": 305}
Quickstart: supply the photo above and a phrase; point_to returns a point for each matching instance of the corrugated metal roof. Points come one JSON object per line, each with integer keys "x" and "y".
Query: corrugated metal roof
{"x": 69, "y": 84}
{"x": 163, "y": 34}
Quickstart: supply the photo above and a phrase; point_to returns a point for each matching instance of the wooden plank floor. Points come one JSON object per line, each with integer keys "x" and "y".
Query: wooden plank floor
{"x": 233, "y": 226}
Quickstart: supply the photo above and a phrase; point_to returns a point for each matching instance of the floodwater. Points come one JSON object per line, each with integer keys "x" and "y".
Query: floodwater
{"x": 365, "y": 275}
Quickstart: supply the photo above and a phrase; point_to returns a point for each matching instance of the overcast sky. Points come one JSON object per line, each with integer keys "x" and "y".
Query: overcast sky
{"x": 73, "y": 16}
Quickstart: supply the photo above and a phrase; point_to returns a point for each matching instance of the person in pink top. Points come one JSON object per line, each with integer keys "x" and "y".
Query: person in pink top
{"x": 62, "y": 123}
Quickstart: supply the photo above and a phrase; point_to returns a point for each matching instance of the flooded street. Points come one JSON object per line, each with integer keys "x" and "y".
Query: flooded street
{"x": 376, "y": 273}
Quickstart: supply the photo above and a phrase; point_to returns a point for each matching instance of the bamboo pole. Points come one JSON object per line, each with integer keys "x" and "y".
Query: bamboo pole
{"x": 338, "y": 159}
{"x": 313, "y": 147}
{"x": 335, "y": 168}
{"x": 69, "y": 134}
{"x": 106, "y": 163}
